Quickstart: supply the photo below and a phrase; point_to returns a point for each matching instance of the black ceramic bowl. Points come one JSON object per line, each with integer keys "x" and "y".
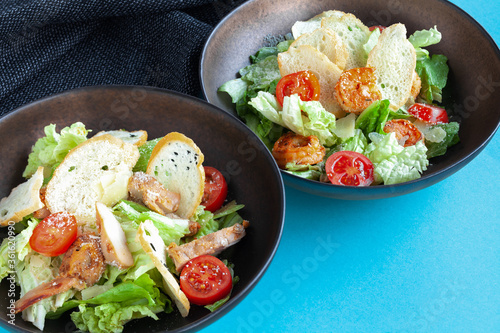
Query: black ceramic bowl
{"x": 474, "y": 61}
{"x": 226, "y": 143}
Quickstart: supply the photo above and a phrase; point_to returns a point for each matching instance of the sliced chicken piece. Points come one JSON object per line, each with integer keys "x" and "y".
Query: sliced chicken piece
{"x": 153, "y": 245}
{"x": 211, "y": 244}
{"x": 144, "y": 188}
{"x": 47, "y": 289}
{"x": 113, "y": 241}
{"x": 82, "y": 266}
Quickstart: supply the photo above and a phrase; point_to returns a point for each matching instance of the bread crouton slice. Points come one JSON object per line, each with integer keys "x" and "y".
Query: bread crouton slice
{"x": 23, "y": 200}
{"x": 136, "y": 138}
{"x": 176, "y": 162}
{"x": 394, "y": 60}
{"x": 353, "y": 33}
{"x": 327, "y": 42}
{"x": 306, "y": 57}
{"x": 302, "y": 27}
{"x": 96, "y": 170}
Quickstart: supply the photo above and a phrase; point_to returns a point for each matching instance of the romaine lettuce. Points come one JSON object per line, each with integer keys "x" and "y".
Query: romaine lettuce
{"x": 394, "y": 163}
{"x": 109, "y": 311}
{"x": 433, "y": 73}
{"x": 307, "y": 171}
{"x": 373, "y": 118}
{"x": 145, "y": 151}
{"x": 50, "y": 150}
{"x": 451, "y": 138}
{"x": 372, "y": 41}
{"x": 302, "y": 117}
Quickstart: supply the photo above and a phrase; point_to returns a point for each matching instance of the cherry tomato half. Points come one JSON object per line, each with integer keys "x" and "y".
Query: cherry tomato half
{"x": 349, "y": 168}
{"x": 429, "y": 113}
{"x": 205, "y": 280}
{"x": 404, "y": 129}
{"x": 380, "y": 27}
{"x": 54, "y": 234}
{"x": 303, "y": 83}
{"x": 215, "y": 190}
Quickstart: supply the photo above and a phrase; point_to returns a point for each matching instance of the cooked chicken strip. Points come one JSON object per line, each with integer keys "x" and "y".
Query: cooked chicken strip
{"x": 82, "y": 266}
{"x": 45, "y": 290}
{"x": 84, "y": 260}
{"x": 211, "y": 244}
{"x": 144, "y": 188}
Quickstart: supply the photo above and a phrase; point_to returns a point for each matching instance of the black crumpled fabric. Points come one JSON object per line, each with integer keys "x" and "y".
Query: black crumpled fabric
{"x": 50, "y": 46}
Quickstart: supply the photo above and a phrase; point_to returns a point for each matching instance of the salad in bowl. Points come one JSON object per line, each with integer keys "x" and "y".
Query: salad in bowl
{"x": 340, "y": 102}
{"x": 117, "y": 227}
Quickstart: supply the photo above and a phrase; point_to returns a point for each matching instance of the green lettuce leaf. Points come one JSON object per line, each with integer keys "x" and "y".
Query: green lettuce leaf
{"x": 373, "y": 118}
{"x": 214, "y": 306}
{"x": 145, "y": 151}
{"x": 357, "y": 143}
{"x": 267, "y": 51}
{"x": 394, "y": 163}
{"x": 423, "y": 38}
{"x": 307, "y": 171}
{"x": 372, "y": 41}
{"x": 32, "y": 271}
{"x": 109, "y": 311}
{"x": 433, "y": 72}
{"x": 50, "y": 150}
{"x": 451, "y": 138}
{"x": 108, "y": 318}
{"x": 171, "y": 230}
{"x": 305, "y": 118}
{"x": 207, "y": 222}
{"x": 228, "y": 215}
{"x": 260, "y": 75}
{"x": 235, "y": 88}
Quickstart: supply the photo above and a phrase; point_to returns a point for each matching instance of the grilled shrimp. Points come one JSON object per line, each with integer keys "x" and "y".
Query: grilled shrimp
{"x": 356, "y": 89}
{"x": 82, "y": 266}
{"x": 299, "y": 149}
{"x": 407, "y": 134}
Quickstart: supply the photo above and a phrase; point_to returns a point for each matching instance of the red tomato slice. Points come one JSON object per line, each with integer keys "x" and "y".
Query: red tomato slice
{"x": 215, "y": 191}
{"x": 303, "y": 83}
{"x": 429, "y": 113}
{"x": 205, "y": 280}
{"x": 349, "y": 168}
{"x": 380, "y": 27}
{"x": 54, "y": 234}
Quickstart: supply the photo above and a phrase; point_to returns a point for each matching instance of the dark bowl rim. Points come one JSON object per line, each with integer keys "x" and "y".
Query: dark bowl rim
{"x": 324, "y": 186}
{"x": 233, "y": 301}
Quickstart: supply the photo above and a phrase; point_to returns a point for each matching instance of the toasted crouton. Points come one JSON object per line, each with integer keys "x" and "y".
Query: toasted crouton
{"x": 301, "y": 27}
{"x": 151, "y": 242}
{"x": 327, "y": 42}
{"x": 23, "y": 200}
{"x": 176, "y": 162}
{"x": 96, "y": 170}
{"x": 394, "y": 60}
{"x": 136, "y": 138}
{"x": 306, "y": 57}
{"x": 353, "y": 33}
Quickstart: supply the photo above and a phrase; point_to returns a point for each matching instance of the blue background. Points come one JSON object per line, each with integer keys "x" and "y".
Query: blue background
{"x": 424, "y": 262}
